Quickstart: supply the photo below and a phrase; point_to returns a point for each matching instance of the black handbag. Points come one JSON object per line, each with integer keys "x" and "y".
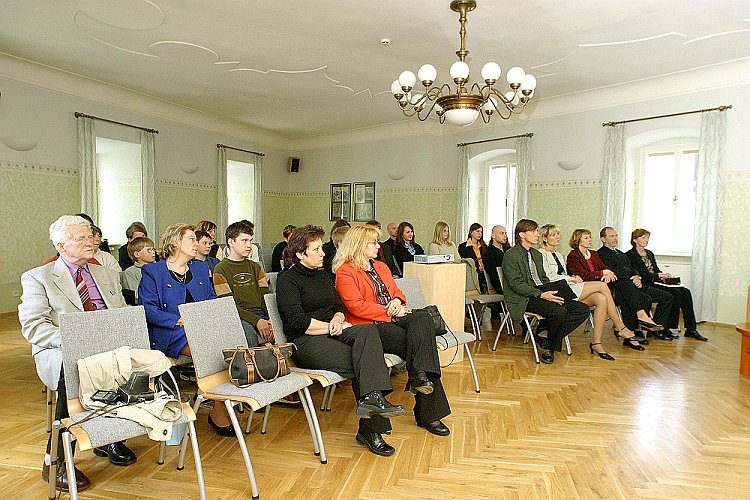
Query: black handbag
{"x": 249, "y": 365}
{"x": 441, "y": 328}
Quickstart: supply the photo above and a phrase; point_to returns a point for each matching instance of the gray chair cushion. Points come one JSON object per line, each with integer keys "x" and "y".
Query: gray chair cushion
{"x": 263, "y": 392}
{"x": 105, "y": 430}
{"x": 331, "y": 377}
{"x": 392, "y": 360}
{"x": 412, "y": 290}
{"x": 453, "y": 339}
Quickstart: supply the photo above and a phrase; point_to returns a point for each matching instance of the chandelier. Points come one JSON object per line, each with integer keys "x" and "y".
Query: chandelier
{"x": 465, "y": 104}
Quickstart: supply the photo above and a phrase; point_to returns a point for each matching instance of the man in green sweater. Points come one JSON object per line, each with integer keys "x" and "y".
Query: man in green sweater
{"x": 527, "y": 289}
{"x": 245, "y": 280}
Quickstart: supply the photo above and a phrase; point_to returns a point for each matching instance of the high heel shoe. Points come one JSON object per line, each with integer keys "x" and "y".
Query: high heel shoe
{"x": 227, "y": 431}
{"x": 602, "y": 355}
{"x": 633, "y": 344}
{"x": 651, "y": 327}
{"x": 639, "y": 338}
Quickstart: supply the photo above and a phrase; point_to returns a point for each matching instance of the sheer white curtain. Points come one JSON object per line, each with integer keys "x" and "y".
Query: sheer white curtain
{"x": 613, "y": 177}
{"x": 148, "y": 179}
{"x": 708, "y": 215}
{"x": 258, "y": 197}
{"x": 87, "y": 167}
{"x": 462, "y": 209}
{"x": 223, "y": 205}
{"x": 523, "y": 170}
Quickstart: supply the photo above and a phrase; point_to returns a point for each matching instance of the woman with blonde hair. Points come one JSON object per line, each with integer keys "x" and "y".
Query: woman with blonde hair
{"x": 210, "y": 228}
{"x": 441, "y": 242}
{"x": 370, "y": 296}
{"x": 593, "y": 293}
{"x": 177, "y": 279}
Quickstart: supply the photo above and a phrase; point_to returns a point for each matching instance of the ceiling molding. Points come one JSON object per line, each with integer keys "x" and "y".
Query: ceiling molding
{"x": 64, "y": 82}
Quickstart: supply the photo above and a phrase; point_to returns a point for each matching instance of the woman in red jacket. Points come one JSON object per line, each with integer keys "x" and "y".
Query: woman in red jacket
{"x": 586, "y": 263}
{"x": 370, "y": 295}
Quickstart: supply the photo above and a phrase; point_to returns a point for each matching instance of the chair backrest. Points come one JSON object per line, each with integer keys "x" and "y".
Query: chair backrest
{"x": 271, "y": 278}
{"x": 275, "y": 317}
{"x": 471, "y": 277}
{"x": 500, "y": 275}
{"x": 88, "y": 333}
{"x": 210, "y": 326}
{"x": 490, "y": 290}
{"x": 412, "y": 291}
{"x": 266, "y": 255}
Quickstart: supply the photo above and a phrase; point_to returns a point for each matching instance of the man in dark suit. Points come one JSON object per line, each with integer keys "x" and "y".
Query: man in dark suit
{"x": 68, "y": 284}
{"x": 619, "y": 263}
{"x": 527, "y": 288}
{"x": 493, "y": 256}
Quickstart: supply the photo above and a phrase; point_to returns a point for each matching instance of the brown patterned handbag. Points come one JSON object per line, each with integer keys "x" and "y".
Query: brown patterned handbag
{"x": 249, "y": 365}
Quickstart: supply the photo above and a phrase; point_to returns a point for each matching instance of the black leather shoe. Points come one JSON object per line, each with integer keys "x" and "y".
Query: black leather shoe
{"x": 437, "y": 427}
{"x": 548, "y": 357}
{"x": 671, "y": 333}
{"x": 651, "y": 327}
{"x": 420, "y": 383}
{"x": 374, "y": 403}
{"x": 693, "y": 334}
{"x": 61, "y": 481}
{"x": 227, "y": 431}
{"x": 375, "y": 442}
{"x": 118, "y": 453}
{"x": 661, "y": 335}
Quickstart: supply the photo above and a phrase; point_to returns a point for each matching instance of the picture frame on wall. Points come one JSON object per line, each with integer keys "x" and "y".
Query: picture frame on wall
{"x": 341, "y": 201}
{"x": 364, "y": 201}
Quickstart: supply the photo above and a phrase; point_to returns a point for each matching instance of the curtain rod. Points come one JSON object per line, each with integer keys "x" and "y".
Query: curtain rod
{"x": 720, "y": 108}
{"x": 239, "y": 149}
{"x": 83, "y": 115}
{"x": 530, "y": 134}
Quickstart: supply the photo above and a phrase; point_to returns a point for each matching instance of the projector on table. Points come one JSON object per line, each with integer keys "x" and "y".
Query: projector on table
{"x": 433, "y": 259}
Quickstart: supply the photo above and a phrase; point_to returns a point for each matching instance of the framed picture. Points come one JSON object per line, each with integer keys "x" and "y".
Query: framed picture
{"x": 364, "y": 201}
{"x": 341, "y": 201}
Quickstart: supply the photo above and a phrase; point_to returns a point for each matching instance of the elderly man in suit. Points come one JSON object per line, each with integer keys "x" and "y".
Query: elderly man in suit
{"x": 69, "y": 284}
{"x": 527, "y": 288}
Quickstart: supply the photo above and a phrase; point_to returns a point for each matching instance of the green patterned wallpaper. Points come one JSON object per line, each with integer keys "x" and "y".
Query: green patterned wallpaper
{"x": 734, "y": 276}
{"x": 570, "y": 205}
{"x": 178, "y": 202}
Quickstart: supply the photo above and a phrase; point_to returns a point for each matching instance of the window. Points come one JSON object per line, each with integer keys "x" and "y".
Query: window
{"x": 240, "y": 190}
{"x": 667, "y": 197}
{"x": 501, "y": 195}
{"x": 118, "y": 166}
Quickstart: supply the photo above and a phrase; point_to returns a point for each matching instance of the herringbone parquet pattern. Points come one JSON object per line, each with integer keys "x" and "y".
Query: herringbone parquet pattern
{"x": 670, "y": 422}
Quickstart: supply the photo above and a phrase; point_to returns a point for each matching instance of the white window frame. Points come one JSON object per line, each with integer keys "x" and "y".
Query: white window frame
{"x": 667, "y": 149}
{"x": 510, "y": 191}
{"x": 249, "y": 216}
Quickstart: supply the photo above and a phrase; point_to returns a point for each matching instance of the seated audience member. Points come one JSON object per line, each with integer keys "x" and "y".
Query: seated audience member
{"x": 473, "y": 248}
{"x": 209, "y": 227}
{"x": 69, "y": 284}
{"x": 585, "y": 262}
{"x": 204, "y": 248}
{"x": 441, "y": 242}
{"x": 336, "y": 237}
{"x": 314, "y": 319}
{"x": 644, "y": 261}
{"x": 370, "y": 296}
{"x": 135, "y": 230}
{"x": 329, "y": 248}
{"x": 246, "y": 282}
{"x": 392, "y": 229}
{"x": 385, "y": 252}
{"x": 493, "y": 256}
{"x": 105, "y": 259}
{"x": 620, "y": 264}
{"x": 405, "y": 248}
{"x": 141, "y": 251}
{"x": 527, "y": 289}
{"x": 165, "y": 285}
{"x": 595, "y": 294}
{"x": 278, "y": 250}
{"x": 103, "y": 244}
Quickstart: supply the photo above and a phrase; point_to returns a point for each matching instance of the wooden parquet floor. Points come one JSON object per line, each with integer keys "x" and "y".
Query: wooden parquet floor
{"x": 670, "y": 422}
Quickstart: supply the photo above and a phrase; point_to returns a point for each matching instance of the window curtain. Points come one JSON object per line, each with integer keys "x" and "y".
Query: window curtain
{"x": 148, "y": 180}
{"x": 462, "y": 209}
{"x": 708, "y": 215}
{"x": 613, "y": 177}
{"x": 87, "y": 167}
{"x": 223, "y": 206}
{"x": 258, "y": 198}
{"x": 523, "y": 170}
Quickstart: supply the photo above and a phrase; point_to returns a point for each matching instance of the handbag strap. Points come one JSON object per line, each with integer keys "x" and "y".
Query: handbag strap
{"x": 278, "y": 366}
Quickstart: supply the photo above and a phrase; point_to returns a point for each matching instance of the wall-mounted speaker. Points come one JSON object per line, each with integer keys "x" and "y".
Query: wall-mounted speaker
{"x": 293, "y": 166}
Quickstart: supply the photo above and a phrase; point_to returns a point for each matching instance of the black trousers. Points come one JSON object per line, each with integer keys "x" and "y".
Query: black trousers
{"x": 631, "y": 299}
{"x": 61, "y": 412}
{"x": 665, "y": 305}
{"x": 412, "y": 338}
{"x": 560, "y": 319}
{"x": 683, "y": 300}
{"x": 356, "y": 354}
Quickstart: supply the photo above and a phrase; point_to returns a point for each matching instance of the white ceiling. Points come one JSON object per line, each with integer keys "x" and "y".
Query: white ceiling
{"x": 304, "y": 67}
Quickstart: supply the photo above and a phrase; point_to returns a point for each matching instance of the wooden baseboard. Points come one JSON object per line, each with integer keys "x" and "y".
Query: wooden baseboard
{"x": 9, "y": 314}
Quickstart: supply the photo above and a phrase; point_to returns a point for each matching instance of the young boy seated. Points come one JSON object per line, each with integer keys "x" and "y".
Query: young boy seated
{"x": 204, "y": 249}
{"x": 141, "y": 251}
{"x": 245, "y": 280}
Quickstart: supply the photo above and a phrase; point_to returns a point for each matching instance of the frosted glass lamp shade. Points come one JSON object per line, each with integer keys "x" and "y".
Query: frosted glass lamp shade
{"x": 491, "y": 72}
{"x": 528, "y": 83}
{"x": 427, "y": 73}
{"x": 515, "y": 75}
{"x": 407, "y": 80}
{"x": 511, "y": 97}
{"x": 461, "y": 117}
{"x": 459, "y": 70}
{"x": 396, "y": 88}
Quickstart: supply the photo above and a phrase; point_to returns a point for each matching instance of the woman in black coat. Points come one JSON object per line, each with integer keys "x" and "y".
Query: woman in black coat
{"x": 473, "y": 248}
{"x": 405, "y": 249}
